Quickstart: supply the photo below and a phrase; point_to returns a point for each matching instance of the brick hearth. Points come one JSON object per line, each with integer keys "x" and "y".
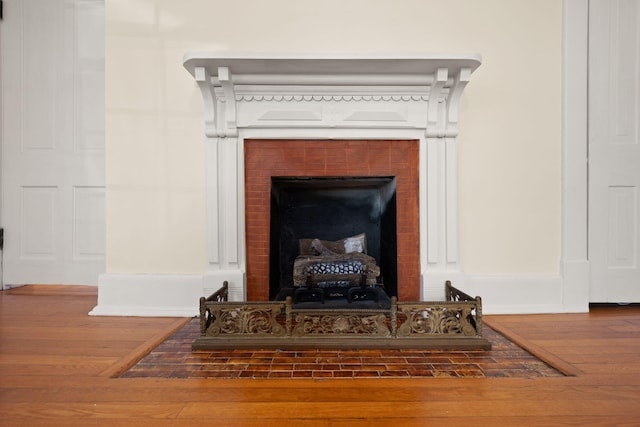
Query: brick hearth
{"x": 267, "y": 158}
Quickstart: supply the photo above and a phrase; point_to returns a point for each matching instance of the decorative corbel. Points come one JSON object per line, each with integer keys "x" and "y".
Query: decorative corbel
{"x": 453, "y": 101}
{"x": 203, "y": 79}
{"x": 219, "y": 106}
{"x": 228, "y": 123}
{"x": 435, "y": 123}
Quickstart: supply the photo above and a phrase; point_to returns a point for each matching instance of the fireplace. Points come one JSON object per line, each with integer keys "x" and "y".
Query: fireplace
{"x": 339, "y": 187}
{"x": 332, "y": 209}
{"x": 331, "y": 118}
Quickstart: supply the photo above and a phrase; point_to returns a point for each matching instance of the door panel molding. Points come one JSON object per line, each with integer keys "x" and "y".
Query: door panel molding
{"x": 53, "y": 169}
{"x": 614, "y": 150}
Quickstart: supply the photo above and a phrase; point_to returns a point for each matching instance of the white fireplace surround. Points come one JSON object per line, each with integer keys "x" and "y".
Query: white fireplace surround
{"x": 331, "y": 97}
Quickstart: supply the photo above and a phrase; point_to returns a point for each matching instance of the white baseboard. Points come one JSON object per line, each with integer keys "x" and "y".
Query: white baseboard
{"x": 160, "y": 295}
{"x": 153, "y": 295}
{"x": 520, "y": 294}
{"x": 576, "y": 291}
{"x": 213, "y": 280}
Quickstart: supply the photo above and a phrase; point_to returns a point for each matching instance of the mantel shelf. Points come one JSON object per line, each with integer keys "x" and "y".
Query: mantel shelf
{"x": 330, "y": 65}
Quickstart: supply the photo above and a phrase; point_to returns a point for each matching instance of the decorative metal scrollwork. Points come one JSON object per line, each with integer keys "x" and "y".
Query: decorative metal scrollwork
{"x": 245, "y": 320}
{"x": 308, "y": 324}
{"x": 450, "y": 320}
{"x": 458, "y": 319}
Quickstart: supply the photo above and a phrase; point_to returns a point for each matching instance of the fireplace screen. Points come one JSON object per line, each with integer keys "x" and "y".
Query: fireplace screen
{"x": 336, "y": 232}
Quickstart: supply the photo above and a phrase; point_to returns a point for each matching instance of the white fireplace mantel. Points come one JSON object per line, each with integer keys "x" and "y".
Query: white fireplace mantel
{"x": 331, "y": 97}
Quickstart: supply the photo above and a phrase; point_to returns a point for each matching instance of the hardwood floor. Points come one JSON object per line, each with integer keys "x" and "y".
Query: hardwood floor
{"x": 56, "y": 365}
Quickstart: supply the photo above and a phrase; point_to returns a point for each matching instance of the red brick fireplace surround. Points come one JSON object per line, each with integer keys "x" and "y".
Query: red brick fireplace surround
{"x": 317, "y": 158}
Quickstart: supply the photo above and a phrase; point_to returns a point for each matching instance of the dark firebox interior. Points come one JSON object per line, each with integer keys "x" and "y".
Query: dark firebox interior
{"x": 332, "y": 208}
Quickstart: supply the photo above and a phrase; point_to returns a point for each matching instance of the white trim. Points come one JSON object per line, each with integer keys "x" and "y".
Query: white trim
{"x": 575, "y": 263}
{"x": 170, "y": 295}
{"x": 504, "y": 294}
{"x": 3, "y": 38}
{"x": 517, "y": 294}
{"x": 157, "y": 295}
{"x": 213, "y": 280}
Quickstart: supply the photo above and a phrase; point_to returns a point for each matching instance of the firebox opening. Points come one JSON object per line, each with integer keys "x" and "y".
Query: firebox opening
{"x": 332, "y": 208}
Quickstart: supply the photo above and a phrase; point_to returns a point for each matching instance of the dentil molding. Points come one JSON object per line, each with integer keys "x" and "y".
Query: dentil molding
{"x": 230, "y": 83}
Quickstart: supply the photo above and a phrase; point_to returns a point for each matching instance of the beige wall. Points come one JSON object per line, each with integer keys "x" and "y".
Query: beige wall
{"x": 510, "y": 140}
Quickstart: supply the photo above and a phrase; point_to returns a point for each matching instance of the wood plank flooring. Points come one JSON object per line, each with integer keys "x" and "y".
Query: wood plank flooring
{"x": 56, "y": 365}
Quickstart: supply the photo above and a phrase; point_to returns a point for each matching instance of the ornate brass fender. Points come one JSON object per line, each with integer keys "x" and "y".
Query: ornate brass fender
{"x": 452, "y": 324}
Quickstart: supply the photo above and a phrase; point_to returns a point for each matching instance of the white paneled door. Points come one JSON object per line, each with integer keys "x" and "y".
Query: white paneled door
{"x": 53, "y": 184}
{"x": 614, "y": 150}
